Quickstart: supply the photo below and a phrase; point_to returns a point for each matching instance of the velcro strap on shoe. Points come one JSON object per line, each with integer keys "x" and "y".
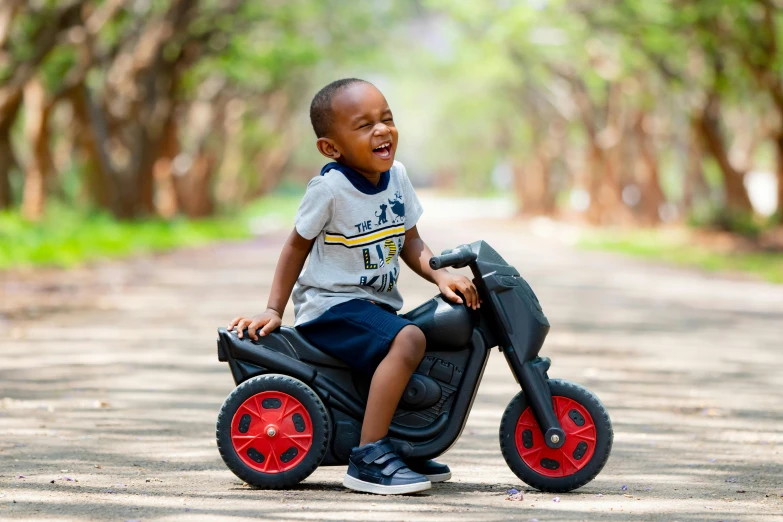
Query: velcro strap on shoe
{"x": 385, "y": 458}
{"x": 393, "y": 466}
{"x": 379, "y": 451}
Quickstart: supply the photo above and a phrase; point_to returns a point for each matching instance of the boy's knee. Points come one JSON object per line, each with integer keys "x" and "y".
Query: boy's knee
{"x": 412, "y": 344}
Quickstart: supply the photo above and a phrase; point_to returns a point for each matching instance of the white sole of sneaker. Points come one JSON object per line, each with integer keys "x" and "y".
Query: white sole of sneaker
{"x": 440, "y": 477}
{"x": 368, "y": 487}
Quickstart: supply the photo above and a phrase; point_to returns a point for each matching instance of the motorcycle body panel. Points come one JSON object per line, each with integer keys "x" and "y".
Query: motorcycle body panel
{"x": 438, "y": 398}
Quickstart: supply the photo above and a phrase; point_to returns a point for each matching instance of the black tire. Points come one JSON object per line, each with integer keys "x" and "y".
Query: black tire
{"x": 601, "y": 450}
{"x": 320, "y": 427}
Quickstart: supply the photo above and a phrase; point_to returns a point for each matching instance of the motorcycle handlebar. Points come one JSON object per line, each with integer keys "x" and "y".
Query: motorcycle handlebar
{"x": 459, "y": 257}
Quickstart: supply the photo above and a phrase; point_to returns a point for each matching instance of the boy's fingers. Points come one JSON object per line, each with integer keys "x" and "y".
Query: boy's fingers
{"x": 474, "y": 293}
{"x": 465, "y": 290}
{"x": 267, "y": 328}
{"x": 451, "y": 296}
{"x": 233, "y": 323}
{"x": 470, "y": 290}
{"x": 470, "y": 297}
{"x": 241, "y": 326}
{"x": 252, "y": 329}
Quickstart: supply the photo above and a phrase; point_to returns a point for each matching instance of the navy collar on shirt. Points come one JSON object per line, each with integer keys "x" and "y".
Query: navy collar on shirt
{"x": 359, "y": 182}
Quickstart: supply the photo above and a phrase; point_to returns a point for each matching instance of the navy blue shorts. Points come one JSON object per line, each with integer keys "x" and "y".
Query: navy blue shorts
{"x": 358, "y": 332}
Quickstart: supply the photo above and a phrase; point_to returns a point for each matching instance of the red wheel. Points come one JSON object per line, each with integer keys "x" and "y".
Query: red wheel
{"x": 588, "y": 433}
{"x": 271, "y": 432}
{"x": 571, "y": 456}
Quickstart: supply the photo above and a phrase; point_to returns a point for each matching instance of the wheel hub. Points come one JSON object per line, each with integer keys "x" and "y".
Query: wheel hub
{"x": 271, "y": 432}
{"x": 574, "y": 449}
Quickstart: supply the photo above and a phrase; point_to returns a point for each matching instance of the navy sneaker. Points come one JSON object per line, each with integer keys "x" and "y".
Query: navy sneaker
{"x": 376, "y": 468}
{"x": 434, "y": 471}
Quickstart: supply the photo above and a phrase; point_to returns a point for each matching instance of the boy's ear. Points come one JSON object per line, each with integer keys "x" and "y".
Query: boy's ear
{"x": 327, "y": 147}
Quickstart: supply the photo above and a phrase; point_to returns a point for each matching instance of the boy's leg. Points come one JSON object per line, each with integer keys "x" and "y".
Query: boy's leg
{"x": 386, "y": 389}
{"x": 374, "y": 466}
{"x": 389, "y": 381}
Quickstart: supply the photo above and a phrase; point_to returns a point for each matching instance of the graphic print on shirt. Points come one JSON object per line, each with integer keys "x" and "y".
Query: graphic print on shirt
{"x": 382, "y": 216}
{"x": 377, "y": 243}
{"x": 392, "y": 249}
{"x": 397, "y": 207}
{"x": 390, "y": 277}
{"x": 380, "y": 242}
{"x": 384, "y": 254}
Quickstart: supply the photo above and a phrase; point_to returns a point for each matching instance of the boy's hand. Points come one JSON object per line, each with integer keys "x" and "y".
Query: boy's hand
{"x": 268, "y": 322}
{"x": 448, "y": 283}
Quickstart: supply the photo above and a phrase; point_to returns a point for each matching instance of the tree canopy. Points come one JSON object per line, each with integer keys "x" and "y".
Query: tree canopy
{"x": 620, "y": 111}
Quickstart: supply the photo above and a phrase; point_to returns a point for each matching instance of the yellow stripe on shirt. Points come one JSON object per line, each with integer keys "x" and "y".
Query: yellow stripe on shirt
{"x": 371, "y": 238}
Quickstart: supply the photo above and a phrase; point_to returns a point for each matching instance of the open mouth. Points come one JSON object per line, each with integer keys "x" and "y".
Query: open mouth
{"x": 383, "y": 150}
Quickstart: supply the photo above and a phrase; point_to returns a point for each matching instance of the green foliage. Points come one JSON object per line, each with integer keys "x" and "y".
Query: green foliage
{"x": 718, "y": 218}
{"x": 679, "y": 249}
{"x": 56, "y": 67}
{"x": 68, "y": 237}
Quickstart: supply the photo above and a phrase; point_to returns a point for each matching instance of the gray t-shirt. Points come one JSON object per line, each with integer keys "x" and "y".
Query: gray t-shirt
{"x": 359, "y": 231}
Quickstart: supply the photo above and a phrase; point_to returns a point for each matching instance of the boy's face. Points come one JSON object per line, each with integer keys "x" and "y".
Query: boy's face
{"x": 363, "y": 135}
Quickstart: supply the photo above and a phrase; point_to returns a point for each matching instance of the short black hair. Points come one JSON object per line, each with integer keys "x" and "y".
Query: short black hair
{"x": 321, "y": 115}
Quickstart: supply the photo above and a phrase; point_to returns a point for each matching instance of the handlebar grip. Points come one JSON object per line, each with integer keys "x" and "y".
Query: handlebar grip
{"x": 437, "y": 262}
{"x": 459, "y": 257}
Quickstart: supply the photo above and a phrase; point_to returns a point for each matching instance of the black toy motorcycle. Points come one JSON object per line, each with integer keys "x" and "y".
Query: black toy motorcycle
{"x": 296, "y": 408}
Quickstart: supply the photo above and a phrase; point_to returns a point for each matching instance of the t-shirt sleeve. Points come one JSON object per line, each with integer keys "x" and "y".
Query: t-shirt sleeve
{"x": 413, "y": 208}
{"x": 315, "y": 210}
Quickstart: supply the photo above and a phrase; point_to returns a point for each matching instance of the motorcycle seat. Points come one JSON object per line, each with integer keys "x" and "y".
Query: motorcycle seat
{"x": 306, "y": 351}
{"x": 446, "y": 326}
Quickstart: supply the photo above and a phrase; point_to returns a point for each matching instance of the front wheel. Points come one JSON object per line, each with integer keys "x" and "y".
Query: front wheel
{"x": 588, "y": 431}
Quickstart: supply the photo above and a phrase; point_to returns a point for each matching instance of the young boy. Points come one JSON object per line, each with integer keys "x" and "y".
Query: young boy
{"x": 355, "y": 220}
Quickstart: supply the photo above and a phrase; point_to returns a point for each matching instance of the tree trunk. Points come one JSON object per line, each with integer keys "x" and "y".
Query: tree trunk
{"x": 651, "y": 192}
{"x": 139, "y": 123}
{"x": 594, "y": 166}
{"x": 228, "y": 190}
{"x": 779, "y": 173}
{"x": 7, "y": 158}
{"x": 736, "y": 196}
{"x": 196, "y": 184}
{"x": 8, "y": 10}
{"x": 36, "y": 131}
{"x": 92, "y": 137}
{"x": 532, "y": 184}
{"x": 694, "y": 186}
{"x": 45, "y": 39}
{"x": 606, "y": 202}
{"x": 166, "y": 200}
{"x": 145, "y": 176}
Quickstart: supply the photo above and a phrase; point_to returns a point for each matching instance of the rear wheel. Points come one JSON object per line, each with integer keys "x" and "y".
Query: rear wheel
{"x": 272, "y": 431}
{"x": 588, "y": 430}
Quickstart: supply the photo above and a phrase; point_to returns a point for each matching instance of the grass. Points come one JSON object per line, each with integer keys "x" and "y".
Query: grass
{"x": 677, "y": 247}
{"x": 68, "y": 237}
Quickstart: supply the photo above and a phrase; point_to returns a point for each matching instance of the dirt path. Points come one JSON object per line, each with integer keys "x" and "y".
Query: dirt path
{"x": 110, "y": 386}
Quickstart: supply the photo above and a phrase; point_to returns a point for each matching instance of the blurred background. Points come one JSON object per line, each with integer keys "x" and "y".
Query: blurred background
{"x": 652, "y": 128}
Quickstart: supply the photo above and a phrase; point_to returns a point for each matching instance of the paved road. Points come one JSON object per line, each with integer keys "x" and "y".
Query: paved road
{"x": 110, "y": 387}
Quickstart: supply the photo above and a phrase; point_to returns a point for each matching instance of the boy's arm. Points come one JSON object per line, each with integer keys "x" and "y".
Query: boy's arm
{"x": 417, "y": 254}
{"x": 289, "y": 266}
